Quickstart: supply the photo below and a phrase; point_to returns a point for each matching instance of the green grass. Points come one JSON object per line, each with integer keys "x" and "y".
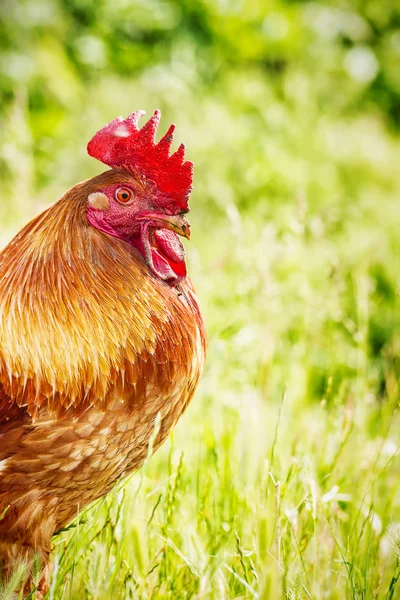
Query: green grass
{"x": 249, "y": 500}
{"x": 282, "y": 480}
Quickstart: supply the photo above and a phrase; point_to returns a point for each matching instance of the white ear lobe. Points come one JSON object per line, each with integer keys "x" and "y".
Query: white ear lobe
{"x": 99, "y": 200}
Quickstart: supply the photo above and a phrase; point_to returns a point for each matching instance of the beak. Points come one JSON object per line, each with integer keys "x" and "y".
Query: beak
{"x": 177, "y": 223}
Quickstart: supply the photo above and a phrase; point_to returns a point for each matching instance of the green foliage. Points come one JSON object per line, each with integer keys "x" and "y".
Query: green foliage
{"x": 281, "y": 481}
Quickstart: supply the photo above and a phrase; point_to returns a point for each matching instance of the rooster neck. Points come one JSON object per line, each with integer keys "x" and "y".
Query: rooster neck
{"x": 77, "y": 306}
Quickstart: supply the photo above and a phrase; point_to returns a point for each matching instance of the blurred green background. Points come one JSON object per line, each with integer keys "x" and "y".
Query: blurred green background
{"x": 290, "y": 111}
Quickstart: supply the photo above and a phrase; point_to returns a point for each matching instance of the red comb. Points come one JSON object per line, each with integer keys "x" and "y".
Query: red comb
{"x": 121, "y": 144}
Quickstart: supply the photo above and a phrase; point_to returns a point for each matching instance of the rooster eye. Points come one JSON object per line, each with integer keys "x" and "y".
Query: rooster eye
{"x": 123, "y": 195}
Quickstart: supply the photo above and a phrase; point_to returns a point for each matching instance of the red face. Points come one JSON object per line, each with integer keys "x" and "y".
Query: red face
{"x": 130, "y": 212}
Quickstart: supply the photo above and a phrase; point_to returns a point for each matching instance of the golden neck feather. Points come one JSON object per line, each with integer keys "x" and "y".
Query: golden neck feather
{"x": 76, "y": 303}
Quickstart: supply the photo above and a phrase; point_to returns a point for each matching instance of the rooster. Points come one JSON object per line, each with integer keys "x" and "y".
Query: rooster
{"x": 102, "y": 340}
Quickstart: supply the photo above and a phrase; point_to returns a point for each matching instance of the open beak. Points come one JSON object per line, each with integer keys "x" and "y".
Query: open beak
{"x": 177, "y": 223}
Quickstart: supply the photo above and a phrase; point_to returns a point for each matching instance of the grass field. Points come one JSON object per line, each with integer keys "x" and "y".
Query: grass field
{"x": 282, "y": 480}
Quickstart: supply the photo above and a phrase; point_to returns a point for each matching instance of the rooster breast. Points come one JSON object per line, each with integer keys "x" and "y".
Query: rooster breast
{"x": 55, "y": 465}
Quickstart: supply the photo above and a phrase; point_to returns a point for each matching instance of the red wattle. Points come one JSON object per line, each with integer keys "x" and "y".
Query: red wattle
{"x": 170, "y": 249}
{"x": 163, "y": 252}
{"x": 170, "y": 245}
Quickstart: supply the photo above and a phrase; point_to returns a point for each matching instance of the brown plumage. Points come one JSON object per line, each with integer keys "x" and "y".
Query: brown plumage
{"x": 93, "y": 346}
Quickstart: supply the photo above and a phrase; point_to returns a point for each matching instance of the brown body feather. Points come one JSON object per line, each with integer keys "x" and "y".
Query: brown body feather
{"x": 92, "y": 349}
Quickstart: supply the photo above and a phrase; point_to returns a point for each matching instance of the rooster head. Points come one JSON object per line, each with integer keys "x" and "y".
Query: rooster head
{"x": 143, "y": 199}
